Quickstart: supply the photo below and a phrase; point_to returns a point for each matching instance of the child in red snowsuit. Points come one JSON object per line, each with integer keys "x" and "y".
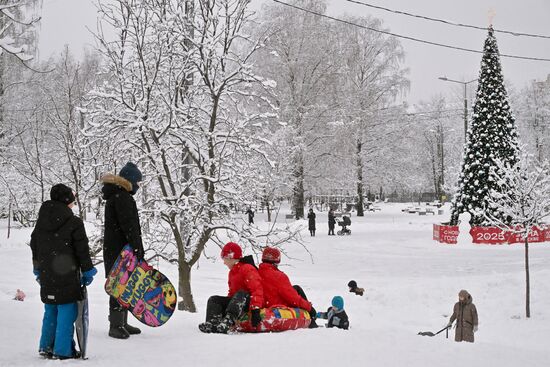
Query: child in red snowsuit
{"x": 278, "y": 291}
{"x": 245, "y": 293}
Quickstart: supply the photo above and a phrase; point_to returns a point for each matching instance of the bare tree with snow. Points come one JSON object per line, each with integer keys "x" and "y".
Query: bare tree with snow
{"x": 183, "y": 102}
{"x": 524, "y": 201}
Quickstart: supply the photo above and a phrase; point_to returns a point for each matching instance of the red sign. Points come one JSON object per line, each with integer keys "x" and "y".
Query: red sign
{"x": 445, "y": 233}
{"x": 536, "y": 235}
{"x": 496, "y": 236}
{"x": 489, "y": 235}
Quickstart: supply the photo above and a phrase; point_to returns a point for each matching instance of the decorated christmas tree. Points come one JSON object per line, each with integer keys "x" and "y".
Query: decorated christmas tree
{"x": 491, "y": 135}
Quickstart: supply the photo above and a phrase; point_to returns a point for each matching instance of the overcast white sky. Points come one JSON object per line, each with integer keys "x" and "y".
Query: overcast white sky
{"x": 65, "y": 22}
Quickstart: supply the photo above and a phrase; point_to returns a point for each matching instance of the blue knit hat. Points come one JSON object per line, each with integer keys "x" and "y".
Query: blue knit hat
{"x": 131, "y": 173}
{"x": 338, "y": 302}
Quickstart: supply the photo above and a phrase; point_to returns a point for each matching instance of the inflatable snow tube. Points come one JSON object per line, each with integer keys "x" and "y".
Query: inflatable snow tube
{"x": 276, "y": 319}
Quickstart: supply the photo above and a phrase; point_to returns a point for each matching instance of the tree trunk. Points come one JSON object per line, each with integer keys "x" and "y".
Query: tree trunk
{"x": 527, "y": 282}
{"x": 360, "y": 199}
{"x": 436, "y": 181}
{"x": 9, "y": 219}
{"x": 298, "y": 192}
{"x": 187, "y": 303}
{"x": 268, "y": 211}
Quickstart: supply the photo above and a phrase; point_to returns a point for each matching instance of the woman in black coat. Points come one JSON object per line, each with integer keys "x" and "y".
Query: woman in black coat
{"x": 60, "y": 253}
{"x": 121, "y": 227}
{"x": 331, "y": 222}
{"x": 311, "y": 222}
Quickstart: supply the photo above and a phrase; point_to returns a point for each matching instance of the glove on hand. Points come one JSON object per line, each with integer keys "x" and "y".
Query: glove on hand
{"x": 256, "y": 318}
{"x": 88, "y": 277}
{"x": 139, "y": 253}
{"x": 36, "y": 273}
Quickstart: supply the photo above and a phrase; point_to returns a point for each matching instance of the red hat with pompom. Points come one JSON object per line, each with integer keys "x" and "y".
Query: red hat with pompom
{"x": 231, "y": 250}
{"x": 271, "y": 255}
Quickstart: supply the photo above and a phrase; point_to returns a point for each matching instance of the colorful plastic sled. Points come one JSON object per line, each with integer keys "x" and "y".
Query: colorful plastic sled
{"x": 276, "y": 319}
{"x": 145, "y": 291}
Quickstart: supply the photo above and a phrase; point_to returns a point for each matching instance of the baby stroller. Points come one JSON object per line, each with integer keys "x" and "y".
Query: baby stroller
{"x": 344, "y": 223}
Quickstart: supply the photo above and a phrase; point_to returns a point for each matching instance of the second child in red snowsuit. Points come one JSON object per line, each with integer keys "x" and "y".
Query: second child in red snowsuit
{"x": 278, "y": 291}
{"x": 245, "y": 293}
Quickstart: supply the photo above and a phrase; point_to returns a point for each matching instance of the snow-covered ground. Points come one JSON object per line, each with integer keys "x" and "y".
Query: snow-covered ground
{"x": 411, "y": 282}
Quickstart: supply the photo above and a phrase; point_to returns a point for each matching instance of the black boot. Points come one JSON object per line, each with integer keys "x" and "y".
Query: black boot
{"x": 46, "y": 354}
{"x": 313, "y": 324}
{"x": 132, "y": 330}
{"x": 225, "y": 325}
{"x": 116, "y": 324}
{"x": 76, "y": 355}
{"x": 210, "y": 325}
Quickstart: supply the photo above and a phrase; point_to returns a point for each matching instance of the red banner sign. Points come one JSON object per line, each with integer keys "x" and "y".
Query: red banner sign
{"x": 496, "y": 236}
{"x": 445, "y": 233}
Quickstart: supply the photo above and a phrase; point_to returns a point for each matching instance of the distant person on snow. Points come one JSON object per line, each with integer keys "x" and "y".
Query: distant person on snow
{"x": 61, "y": 264}
{"x": 465, "y": 314}
{"x": 331, "y": 222}
{"x": 311, "y": 222}
{"x": 121, "y": 227}
{"x": 245, "y": 293}
{"x": 250, "y": 215}
{"x": 335, "y": 315}
{"x": 278, "y": 291}
{"x": 353, "y": 288}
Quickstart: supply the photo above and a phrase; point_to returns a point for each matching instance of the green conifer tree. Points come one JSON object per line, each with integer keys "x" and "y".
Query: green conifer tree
{"x": 491, "y": 135}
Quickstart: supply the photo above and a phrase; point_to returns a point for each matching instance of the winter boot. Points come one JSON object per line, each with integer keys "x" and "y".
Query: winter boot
{"x": 76, "y": 355}
{"x": 210, "y": 325}
{"x": 132, "y": 330}
{"x": 313, "y": 324}
{"x": 225, "y": 325}
{"x": 46, "y": 354}
{"x": 116, "y": 325}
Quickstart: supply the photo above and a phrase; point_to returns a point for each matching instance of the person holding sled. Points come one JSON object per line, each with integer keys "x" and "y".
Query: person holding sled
{"x": 62, "y": 265}
{"x": 311, "y": 222}
{"x": 245, "y": 293}
{"x": 331, "y": 222}
{"x": 336, "y": 315}
{"x": 465, "y": 314}
{"x": 121, "y": 227}
{"x": 278, "y": 291}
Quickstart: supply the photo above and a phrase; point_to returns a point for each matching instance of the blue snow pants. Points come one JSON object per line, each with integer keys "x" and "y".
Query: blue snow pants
{"x": 58, "y": 329}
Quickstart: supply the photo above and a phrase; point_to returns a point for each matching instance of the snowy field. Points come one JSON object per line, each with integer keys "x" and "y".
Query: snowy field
{"x": 411, "y": 284}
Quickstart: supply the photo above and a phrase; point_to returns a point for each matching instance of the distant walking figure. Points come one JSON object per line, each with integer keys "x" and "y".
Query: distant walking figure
{"x": 311, "y": 222}
{"x": 250, "y": 216}
{"x": 331, "y": 222}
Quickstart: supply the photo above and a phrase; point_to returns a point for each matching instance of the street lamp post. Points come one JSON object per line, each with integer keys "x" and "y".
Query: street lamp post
{"x": 444, "y": 78}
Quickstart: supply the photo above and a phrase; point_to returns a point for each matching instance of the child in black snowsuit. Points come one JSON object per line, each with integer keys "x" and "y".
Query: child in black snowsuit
{"x": 335, "y": 315}
{"x": 62, "y": 265}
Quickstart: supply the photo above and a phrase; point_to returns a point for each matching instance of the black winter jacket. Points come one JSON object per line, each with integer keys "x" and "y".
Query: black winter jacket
{"x": 311, "y": 221}
{"x": 331, "y": 219}
{"x": 59, "y": 252}
{"x": 121, "y": 219}
{"x": 337, "y": 319}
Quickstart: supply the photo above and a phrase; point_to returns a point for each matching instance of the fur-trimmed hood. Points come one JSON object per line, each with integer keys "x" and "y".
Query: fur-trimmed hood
{"x": 109, "y": 178}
